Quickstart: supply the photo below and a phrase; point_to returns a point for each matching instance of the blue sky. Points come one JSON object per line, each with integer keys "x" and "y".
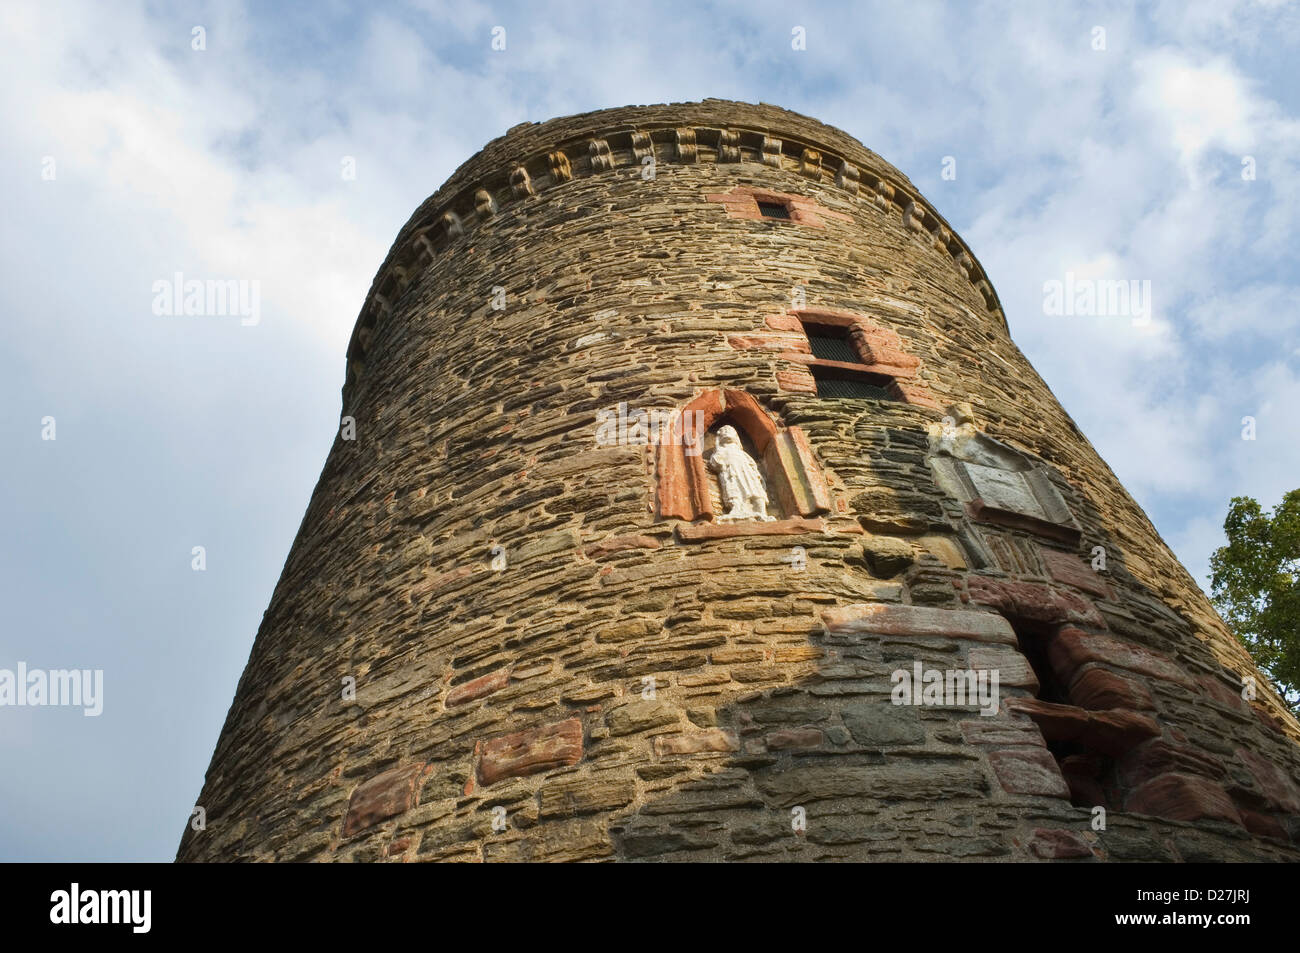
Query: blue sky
{"x": 174, "y": 432}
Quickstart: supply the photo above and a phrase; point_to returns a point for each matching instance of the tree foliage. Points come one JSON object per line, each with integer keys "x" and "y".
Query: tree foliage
{"x": 1255, "y": 585}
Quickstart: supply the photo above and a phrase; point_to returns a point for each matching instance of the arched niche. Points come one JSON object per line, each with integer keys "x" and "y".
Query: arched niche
{"x": 682, "y": 491}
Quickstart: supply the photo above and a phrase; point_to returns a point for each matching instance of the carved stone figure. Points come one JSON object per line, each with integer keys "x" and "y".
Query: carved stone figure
{"x": 743, "y": 492}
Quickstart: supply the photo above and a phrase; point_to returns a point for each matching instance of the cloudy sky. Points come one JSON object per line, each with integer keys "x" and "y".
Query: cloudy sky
{"x": 128, "y": 156}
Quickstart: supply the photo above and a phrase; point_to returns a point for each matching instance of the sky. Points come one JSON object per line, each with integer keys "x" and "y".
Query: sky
{"x": 287, "y": 144}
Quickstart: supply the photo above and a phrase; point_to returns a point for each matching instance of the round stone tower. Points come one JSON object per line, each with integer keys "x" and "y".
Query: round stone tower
{"x": 691, "y": 501}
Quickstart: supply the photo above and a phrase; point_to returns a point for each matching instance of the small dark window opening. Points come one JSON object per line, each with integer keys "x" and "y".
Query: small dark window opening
{"x": 773, "y": 210}
{"x": 832, "y": 382}
{"x": 831, "y": 344}
{"x": 1033, "y": 646}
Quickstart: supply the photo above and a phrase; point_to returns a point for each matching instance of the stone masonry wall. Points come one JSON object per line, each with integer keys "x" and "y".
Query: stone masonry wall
{"x": 548, "y": 669}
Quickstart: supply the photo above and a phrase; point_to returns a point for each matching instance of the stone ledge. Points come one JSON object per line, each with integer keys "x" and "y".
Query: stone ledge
{"x": 1113, "y": 732}
{"x": 881, "y": 619}
{"x": 698, "y": 532}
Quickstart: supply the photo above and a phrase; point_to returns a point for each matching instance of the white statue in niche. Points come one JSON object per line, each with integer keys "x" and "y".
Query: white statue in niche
{"x": 743, "y": 492}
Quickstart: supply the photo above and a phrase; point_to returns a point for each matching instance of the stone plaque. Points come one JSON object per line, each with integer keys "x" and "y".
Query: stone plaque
{"x": 1005, "y": 490}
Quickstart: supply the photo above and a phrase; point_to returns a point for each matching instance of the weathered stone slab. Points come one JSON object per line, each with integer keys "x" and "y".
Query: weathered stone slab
{"x": 1013, "y": 668}
{"x": 1029, "y": 771}
{"x": 879, "y": 619}
{"x": 1073, "y": 571}
{"x": 1183, "y": 797}
{"x": 1280, "y": 791}
{"x": 714, "y": 739}
{"x": 883, "y": 724}
{"x": 1004, "y": 490}
{"x": 1034, "y": 602}
{"x": 1099, "y": 689}
{"x": 641, "y": 716}
{"x": 1072, "y": 648}
{"x": 567, "y": 797}
{"x": 1001, "y": 732}
{"x": 921, "y": 782}
{"x": 1055, "y": 844}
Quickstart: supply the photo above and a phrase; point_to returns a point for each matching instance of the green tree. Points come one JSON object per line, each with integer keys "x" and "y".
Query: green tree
{"x": 1256, "y": 587}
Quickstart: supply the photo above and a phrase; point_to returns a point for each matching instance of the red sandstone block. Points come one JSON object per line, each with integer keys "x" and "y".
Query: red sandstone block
{"x": 674, "y": 497}
{"x": 1002, "y": 732}
{"x": 1110, "y": 732}
{"x": 801, "y": 382}
{"x": 1117, "y": 731}
{"x": 1029, "y": 771}
{"x": 1280, "y": 791}
{"x": 1182, "y": 797}
{"x": 833, "y": 317}
{"x": 478, "y": 688}
{"x": 1161, "y": 756}
{"x": 784, "y": 322}
{"x": 879, "y": 353}
{"x": 1073, "y": 571}
{"x": 1098, "y": 689}
{"x": 529, "y": 752}
{"x": 1034, "y": 602}
{"x": 1057, "y": 722}
{"x": 1262, "y": 825}
{"x": 1072, "y": 648}
{"x": 768, "y": 342}
{"x": 1053, "y": 844}
{"x": 1221, "y": 693}
{"x": 383, "y": 796}
{"x": 741, "y": 199}
{"x": 899, "y": 372}
{"x": 877, "y": 335}
{"x": 916, "y": 394}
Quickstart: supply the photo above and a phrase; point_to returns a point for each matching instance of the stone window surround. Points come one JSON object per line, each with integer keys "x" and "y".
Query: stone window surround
{"x": 682, "y": 490}
{"x": 742, "y": 202}
{"x": 880, "y": 349}
{"x": 875, "y": 358}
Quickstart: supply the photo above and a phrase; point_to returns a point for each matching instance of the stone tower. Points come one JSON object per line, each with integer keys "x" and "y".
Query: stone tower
{"x": 544, "y": 606}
